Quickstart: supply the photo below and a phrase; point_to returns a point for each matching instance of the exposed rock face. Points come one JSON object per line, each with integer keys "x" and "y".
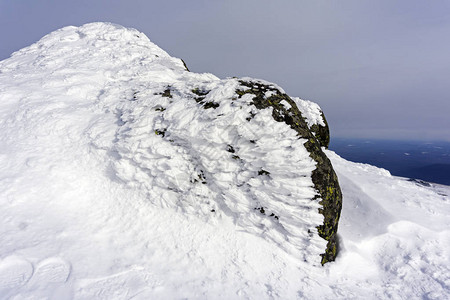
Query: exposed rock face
{"x": 324, "y": 177}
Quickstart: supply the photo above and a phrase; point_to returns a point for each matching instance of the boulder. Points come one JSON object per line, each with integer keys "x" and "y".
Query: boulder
{"x": 317, "y": 134}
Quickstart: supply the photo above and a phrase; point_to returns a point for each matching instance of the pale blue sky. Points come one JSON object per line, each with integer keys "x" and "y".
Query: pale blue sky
{"x": 378, "y": 68}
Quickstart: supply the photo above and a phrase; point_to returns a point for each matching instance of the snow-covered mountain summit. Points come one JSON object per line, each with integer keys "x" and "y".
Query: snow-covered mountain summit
{"x": 191, "y": 142}
{"x": 123, "y": 175}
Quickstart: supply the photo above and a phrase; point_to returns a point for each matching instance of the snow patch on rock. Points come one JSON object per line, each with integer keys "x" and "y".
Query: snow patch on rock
{"x": 310, "y": 110}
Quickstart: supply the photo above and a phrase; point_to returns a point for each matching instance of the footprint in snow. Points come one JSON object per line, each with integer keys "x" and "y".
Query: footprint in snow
{"x": 51, "y": 270}
{"x": 14, "y": 272}
{"x": 124, "y": 285}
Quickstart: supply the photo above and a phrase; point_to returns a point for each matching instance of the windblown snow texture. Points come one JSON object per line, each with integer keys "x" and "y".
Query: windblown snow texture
{"x": 123, "y": 175}
{"x": 184, "y": 140}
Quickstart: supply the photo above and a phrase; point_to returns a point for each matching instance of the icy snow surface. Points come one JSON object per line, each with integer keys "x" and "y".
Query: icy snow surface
{"x": 117, "y": 182}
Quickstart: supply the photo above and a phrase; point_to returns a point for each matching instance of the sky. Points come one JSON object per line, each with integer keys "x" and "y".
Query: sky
{"x": 379, "y": 69}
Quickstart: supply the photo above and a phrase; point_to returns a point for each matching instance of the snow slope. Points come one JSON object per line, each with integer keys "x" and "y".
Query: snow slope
{"x": 112, "y": 187}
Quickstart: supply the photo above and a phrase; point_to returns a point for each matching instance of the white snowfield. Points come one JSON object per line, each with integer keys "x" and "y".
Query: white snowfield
{"x": 123, "y": 176}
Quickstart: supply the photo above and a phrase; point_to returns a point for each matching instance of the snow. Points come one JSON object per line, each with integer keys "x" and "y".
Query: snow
{"x": 396, "y": 229}
{"x": 311, "y": 111}
{"x": 112, "y": 188}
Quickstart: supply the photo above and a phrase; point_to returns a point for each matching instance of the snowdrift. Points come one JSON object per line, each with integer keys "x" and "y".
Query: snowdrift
{"x": 123, "y": 175}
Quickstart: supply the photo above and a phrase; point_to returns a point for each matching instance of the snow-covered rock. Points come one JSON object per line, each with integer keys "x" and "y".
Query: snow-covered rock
{"x": 123, "y": 175}
{"x": 315, "y": 118}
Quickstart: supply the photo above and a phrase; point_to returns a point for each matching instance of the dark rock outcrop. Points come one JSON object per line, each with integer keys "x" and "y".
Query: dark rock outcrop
{"x": 324, "y": 178}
